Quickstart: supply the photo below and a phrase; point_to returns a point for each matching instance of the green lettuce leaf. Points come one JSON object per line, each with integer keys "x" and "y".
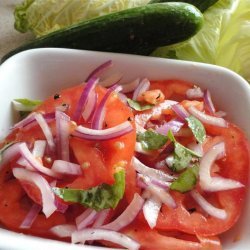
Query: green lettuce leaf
{"x": 98, "y": 198}
{"x": 186, "y": 180}
{"x": 138, "y": 106}
{"x": 223, "y": 40}
{"x": 45, "y": 16}
{"x": 197, "y": 128}
{"x": 151, "y": 140}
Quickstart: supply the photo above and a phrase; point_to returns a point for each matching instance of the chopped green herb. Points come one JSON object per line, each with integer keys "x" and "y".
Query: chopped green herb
{"x": 197, "y": 128}
{"x": 151, "y": 140}
{"x": 182, "y": 155}
{"x": 186, "y": 180}
{"x": 138, "y": 106}
{"x": 98, "y": 198}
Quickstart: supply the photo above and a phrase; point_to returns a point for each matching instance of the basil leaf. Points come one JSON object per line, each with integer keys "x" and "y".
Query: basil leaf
{"x": 197, "y": 128}
{"x": 28, "y": 102}
{"x": 182, "y": 155}
{"x": 186, "y": 180}
{"x": 138, "y": 106}
{"x": 98, "y": 198}
{"x": 151, "y": 140}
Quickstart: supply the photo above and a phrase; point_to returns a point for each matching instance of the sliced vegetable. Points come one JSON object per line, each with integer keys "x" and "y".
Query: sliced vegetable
{"x": 197, "y": 128}
{"x": 151, "y": 140}
{"x": 98, "y": 198}
{"x": 125, "y": 32}
{"x": 187, "y": 180}
{"x": 138, "y": 106}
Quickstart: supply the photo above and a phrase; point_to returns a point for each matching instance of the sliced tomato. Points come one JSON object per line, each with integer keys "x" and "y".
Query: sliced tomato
{"x": 188, "y": 216}
{"x": 154, "y": 239}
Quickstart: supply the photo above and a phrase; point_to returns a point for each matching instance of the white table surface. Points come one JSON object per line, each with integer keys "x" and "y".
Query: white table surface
{"x": 9, "y": 37}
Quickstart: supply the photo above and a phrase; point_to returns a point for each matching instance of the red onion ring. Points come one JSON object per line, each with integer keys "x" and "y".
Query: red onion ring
{"x": 208, "y": 119}
{"x": 131, "y": 86}
{"x": 27, "y": 155}
{"x": 101, "y": 217}
{"x": 208, "y": 207}
{"x": 90, "y": 85}
{"x": 96, "y": 72}
{"x": 10, "y": 153}
{"x": 174, "y": 125}
{"x": 150, "y": 172}
{"x": 180, "y": 111}
{"x": 141, "y": 88}
{"x": 86, "y": 218}
{"x": 108, "y": 235}
{"x": 127, "y": 216}
{"x": 66, "y": 168}
{"x": 48, "y": 197}
{"x": 63, "y": 231}
{"x": 98, "y": 117}
{"x": 208, "y": 102}
{"x": 151, "y": 210}
{"x": 214, "y": 184}
{"x": 105, "y": 134}
{"x": 46, "y": 130}
{"x": 90, "y": 107}
{"x": 62, "y": 135}
{"x": 31, "y": 216}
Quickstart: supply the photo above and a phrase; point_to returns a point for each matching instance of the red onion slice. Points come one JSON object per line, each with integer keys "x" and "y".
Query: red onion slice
{"x": 101, "y": 217}
{"x": 152, "y": 181}
{"x": 127, "y": 216}
{"x": 208, "y": 207}
{"x": 108, "y": 235}
{"x": 62, "y": 135}
{"x": 96, "y": 72}
{"x": 98, "y": 118}
{"x": 141, "y": 88}
{"x": 208, "y": 102}
{"x": 48, "y": 197}
{"x": 194, "y": 93}
{"x": 151, "y": 209}
{"x": 208, "y": 119}
{"x": 213, "y": 184}
{"x": 63, "y": 231}
{"x": 10, "y": 153}
{"x": 66, "y": 168}
{"x": 173, "y": 125}
{"x": 105, "y": 134}
{"x": 131, "y": 86}
{"x": 31, "y": 216}
{"x": 37, "y": 151}
{"x": 90, "y": 107}
{"x": 142, "y": 119}
{"x": 111, "y": 80}
{"x": 163, "y": 195}
{"x": 90, "y": 85}
{"x": 180, "y": 111}
{"x": 86, "y": 218}
{"x": 46, "y": 130}
{"x": 29, "y": 157}
{"x": 150, "y": 172}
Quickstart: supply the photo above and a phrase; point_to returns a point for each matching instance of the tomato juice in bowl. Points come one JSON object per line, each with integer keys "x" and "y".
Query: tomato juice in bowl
{"x": 45, "y": 72}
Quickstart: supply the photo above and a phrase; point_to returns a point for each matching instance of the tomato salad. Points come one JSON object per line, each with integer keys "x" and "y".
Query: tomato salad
{"x": 142, "y": 165}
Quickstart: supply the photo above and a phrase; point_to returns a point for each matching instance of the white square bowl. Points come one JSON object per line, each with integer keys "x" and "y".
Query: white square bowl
{"x": 38, "y": 73}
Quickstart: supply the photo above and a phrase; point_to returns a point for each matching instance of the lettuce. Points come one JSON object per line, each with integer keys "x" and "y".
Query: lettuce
{"x": 224, "y": 39}
{"x": 45, "y": 16}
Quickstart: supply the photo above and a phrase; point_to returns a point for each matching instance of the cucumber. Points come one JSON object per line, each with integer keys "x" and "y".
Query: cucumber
{"x": 202, "y": 5}
{"x": 136, "y": 31}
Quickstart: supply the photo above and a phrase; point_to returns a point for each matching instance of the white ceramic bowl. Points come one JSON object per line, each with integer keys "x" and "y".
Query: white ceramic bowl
{"x": 39, "y": 73}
